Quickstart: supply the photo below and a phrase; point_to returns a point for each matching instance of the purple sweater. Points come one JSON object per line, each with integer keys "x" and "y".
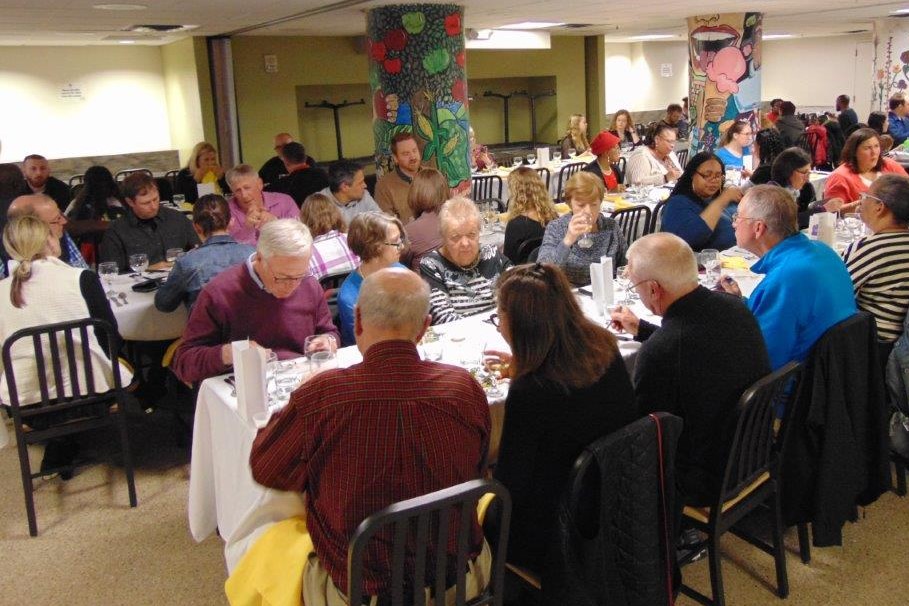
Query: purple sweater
{"x": 233, "y": 307}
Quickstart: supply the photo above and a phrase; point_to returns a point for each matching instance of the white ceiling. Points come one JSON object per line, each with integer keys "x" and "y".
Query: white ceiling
{"x": 76, "y": 22}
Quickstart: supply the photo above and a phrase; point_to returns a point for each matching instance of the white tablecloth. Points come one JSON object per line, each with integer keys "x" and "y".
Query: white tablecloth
{"x": 819, "y": 180}
{"x": 137, "y": 318}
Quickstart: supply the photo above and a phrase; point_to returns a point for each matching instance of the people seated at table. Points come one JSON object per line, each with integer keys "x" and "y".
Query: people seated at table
{"x": 428, "y": 193}
{"x": 331, "y": 254}
{"x": 480, "y": 156}
{"x": 847, "y": 116}
{"x": 301, "y": 178}
{"x": 392, "y": 188}
{"x": 38, "y": 180}
{"x": 806, "y": 288}
{"x": 877, "y": 121}
{"x": 332, "y": 441}
{"x": 98, "y": 202}
{"x": 863, "y": 162}
{"x": 583, "y": 236}
{"x": 461, "y": 274}
{"x": 43, "y": 207}
{"x": 251, "y": 207}
{"x": 605, "y": 146}
{"x": 530, "y": 209}
{"x": 898, "y": 121}
{"x": 735, "y": 145}
{"x": 707, "y": 351}
{"x": 623, "y": 127}
{"x": 569, "y": 387}
{"x": 575, "y": 136}
{"x": 697, "y": 209}
{"x": 195, "y": 269}
{"x": 347, "y": 189}
{"x": 270, "y": 299}
{"x": 792, "y": 170}
{"x": 673, "y": 116}
{"x": 879, "y": 263}
{"x": 654, "y": 163}
{"x": 790, "y": 127}
{"x": 377, "y": 239}
{"x": 275, "y": 168}
{"x": 203, "y": 167}
{"x": 145, "y": 227}
{"x": 43, "y": 290}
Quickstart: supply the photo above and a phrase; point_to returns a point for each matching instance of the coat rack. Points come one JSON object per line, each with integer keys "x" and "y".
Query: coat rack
{"x": 533, "y": 110}
{"x": 505, "y": 98}
{"x": 335, "y": 107}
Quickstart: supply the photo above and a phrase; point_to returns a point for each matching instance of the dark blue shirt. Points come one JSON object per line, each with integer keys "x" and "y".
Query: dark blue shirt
{"x": 682, "y": 217}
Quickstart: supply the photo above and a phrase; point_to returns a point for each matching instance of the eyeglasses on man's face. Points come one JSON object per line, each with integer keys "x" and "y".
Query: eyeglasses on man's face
{"x": 282, "y": 279}
{"x": 737, "y": 217}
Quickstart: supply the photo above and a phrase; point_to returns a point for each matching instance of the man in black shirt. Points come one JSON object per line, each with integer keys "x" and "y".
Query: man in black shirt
{"x": 146, "y": 227}
{"x": 707, "y": 352}
{"x": 847, "y": 116}
{"x": 302, "y": 178}
{"x": 274, "y": 169}
{"x": 39, "y": 181}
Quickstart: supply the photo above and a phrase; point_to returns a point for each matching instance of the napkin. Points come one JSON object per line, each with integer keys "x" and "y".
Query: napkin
{"x": 249, "y": 370}
{"x": 601, "y": 283}
{"x": 542, "y": 156}
{"x": 735, "y": 263}
{"x": 622, "y": 203}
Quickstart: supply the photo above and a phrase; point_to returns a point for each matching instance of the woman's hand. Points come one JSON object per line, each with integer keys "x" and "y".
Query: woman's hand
{"x": 498, "y": 361}
{"x": 729, "y": 195}
{"x": 578, "y": 226}
{"x": 200, "y": 173}
{"x": 623, "y": 319}
{"x": 848, "y": 207}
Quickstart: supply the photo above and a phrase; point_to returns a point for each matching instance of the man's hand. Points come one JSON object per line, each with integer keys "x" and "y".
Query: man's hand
{"x": 728, "y": 284}
{"x": 623, "y": 319}
{"x": 227, "y": 353}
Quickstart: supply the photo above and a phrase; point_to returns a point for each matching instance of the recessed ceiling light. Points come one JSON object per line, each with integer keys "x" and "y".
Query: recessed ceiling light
{"x": 127, "y": 41}
{"x": 653, "y": 37}
{"x": 525, "y": 25}
{"x": 120, "y": 7}
{"x": 776, "y": 36}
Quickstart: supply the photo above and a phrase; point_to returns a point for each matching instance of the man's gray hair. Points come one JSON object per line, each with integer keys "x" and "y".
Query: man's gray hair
{"x": 394, "y": 298}
{"x": 284, "y": 238}
{"x": 28, "y": 205}
{"x": 241, "y": 171}
{"x": 665, "y": 258}
{"x": 775, "y": 207}
{"x": 457, "y": 210}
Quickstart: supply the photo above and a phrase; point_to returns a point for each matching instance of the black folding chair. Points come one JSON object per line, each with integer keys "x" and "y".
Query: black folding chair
{"x": 487, "y": 188}
{"x": 70, "y": 402}
{"x": 76, "y": 180}
{"x": 171, "y": 176}
{"x": 567, "y": 171}
{"x": 545, "y": 175}
{"x": 418, "y": 531}
{"x": 330, "y": 285}
{"x": 123, "y": 174}
{"x": 750, "y": 480}
{"x": 526, "y": 250}
{"x": 656, "y": 221}
{"x": 619, "y": 168}
{"x": 683, "y": 158}
{"x": 634, "y": 222}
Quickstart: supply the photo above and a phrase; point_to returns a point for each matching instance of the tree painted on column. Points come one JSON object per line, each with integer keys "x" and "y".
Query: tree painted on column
{"x": 419, "y": 83}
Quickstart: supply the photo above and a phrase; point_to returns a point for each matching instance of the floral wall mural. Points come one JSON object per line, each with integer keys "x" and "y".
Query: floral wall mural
{"x": 891, "y": 69}
{"x": 724, "y": 60}
{"x": 419, "y": 83}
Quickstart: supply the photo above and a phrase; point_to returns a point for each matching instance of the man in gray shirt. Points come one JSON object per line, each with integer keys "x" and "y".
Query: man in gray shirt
{"x": 347, "y": 189}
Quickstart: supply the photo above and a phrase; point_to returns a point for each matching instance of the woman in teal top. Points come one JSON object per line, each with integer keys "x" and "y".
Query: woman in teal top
{"x": 378, "y": 239}
{"x": 735, "y": 145}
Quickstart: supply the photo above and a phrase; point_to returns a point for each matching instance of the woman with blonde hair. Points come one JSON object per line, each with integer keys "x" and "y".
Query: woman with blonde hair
{"x": 44, "y": 290}
{"x": 576, "y": 136}
{"x": 530, "y": 209}
{"x": 203, "y": 167}
{"x": 427, "y": 194}
{"x": 330, "y": 252}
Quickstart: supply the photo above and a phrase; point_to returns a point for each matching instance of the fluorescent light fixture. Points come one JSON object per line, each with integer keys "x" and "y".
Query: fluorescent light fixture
{"x": 120, "y": 7}
{"x": 900, "y": 11}
{"x": 653, "y": 37}
{"x": 503, "y": 39}
{"x": 776, "y": 36}
{"x": 526, "y": 25}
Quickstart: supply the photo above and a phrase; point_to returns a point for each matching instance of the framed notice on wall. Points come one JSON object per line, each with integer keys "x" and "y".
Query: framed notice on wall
{"x": 72, "y": 92}
{"x": 666, "y": 70}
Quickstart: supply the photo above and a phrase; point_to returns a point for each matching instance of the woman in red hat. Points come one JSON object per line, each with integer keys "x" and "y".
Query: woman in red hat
{"x": 605, "y": 146}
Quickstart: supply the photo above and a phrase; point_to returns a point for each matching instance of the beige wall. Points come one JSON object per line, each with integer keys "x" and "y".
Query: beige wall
{"x": 271, "y": 103}
{"x": 633, "y": 80}
{"x": 181, "y": 85}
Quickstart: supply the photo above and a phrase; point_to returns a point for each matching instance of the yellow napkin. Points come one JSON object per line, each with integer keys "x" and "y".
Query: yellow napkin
{"x": 735, "y": 263}
{"x": 622, "y": 203}
{"x": 562, "y": 208}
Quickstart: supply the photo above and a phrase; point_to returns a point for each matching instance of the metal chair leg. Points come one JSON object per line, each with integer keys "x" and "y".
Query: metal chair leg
{"x": 127, "y": 459}
{"x": 900, "y": 467}
{"x": 28, "y": 488}
{"x": 716, "y": 573}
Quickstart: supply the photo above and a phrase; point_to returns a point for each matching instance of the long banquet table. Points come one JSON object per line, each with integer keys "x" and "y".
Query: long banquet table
{"x": 137, "y": 317}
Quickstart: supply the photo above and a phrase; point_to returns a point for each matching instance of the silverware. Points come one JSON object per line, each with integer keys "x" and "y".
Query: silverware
{"x": 122, "y": 296}
{"x": 114, "y": 298}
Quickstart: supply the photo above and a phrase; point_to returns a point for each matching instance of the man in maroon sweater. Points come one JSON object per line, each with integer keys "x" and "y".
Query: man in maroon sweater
{"x": 270, "y": 299}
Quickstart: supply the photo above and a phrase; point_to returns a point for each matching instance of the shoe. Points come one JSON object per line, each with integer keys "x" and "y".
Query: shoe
{"x": 57, "y": 454}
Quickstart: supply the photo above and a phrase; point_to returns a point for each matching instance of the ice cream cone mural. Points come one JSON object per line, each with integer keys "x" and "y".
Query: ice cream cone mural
{"x": 724, "y": 74}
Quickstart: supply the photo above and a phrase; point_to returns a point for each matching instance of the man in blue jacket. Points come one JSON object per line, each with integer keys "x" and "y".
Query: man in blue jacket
{"x": 806, "y": 288}
{"x": 899, "y": 122}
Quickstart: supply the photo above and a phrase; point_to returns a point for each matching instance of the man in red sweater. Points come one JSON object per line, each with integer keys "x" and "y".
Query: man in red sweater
{"x": 270, "y": 299}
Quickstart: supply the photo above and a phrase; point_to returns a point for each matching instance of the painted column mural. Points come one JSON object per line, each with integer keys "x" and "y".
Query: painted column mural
{"x": 419, "y": 83}
{"x": 724, "y": 72}
{"x": 891, "y": 62}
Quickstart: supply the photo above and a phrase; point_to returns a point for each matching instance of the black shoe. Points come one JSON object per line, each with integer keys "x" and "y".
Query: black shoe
{"x": 57, "y": 454}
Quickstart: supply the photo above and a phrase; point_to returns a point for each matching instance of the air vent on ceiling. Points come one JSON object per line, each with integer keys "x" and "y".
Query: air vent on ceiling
{"x": 857, "y": 31}
{"x": 576, "y": 25}
{"x": 158, "y": 28}
{"x": 132, "y": 37}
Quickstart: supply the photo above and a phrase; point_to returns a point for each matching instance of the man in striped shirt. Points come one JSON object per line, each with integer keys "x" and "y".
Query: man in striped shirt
{"x": 388, "y": 429}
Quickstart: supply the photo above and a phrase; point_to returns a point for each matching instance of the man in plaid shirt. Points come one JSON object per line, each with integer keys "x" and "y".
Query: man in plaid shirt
{"x": 388, "y": 429}
{"x": 44, "y": 207}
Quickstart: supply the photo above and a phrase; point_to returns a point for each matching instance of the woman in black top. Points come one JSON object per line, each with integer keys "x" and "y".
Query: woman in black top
{"x": 569, "y": 387}
{"x": 767, "y": 146}
{"x": 530, "y": 209}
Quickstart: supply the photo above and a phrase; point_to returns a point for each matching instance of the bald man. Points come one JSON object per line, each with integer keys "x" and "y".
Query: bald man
{"x": 45, "y": 208}
{"x": 274, "y": 169}
{"x": 333, "y": 439}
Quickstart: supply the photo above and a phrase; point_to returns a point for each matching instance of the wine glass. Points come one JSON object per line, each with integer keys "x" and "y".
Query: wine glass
{"x": 557, "y": 156}
{"x": 432, "y": 346}
{"x": 517, "y": 161}
{"x": 178, "y": 200}
{"x": 107, "y": 270}
{"x": 139, "y": 263}
{"x": 854, "y": 224}
{"x": 172, "y": 254}
{"x": 532, "y": 159}
{"x": 624, "y": 282}
{"x": 710, "y": 259}
{"x": 586, "y": 241}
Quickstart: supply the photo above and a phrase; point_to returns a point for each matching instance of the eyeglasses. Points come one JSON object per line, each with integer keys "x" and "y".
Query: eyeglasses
{"x": 736, "y": 217}
{"x": 803, "y": 171}
{"x": 748, "y": 134}
{"x": 709, "y": 176}
{"x": 636, "y": 284}
{"x": 493, "y": 319}
{"x": 667, "y": 140}
{"x": 284, "y": 279}
{"x": 400, "y": 244}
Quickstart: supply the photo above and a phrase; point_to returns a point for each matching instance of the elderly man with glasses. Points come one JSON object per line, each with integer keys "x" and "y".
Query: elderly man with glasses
{"x": 270, "y": 299}
{"x": 806, "y": 288}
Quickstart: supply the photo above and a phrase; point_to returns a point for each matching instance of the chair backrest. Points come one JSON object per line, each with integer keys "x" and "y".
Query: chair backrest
{"x": 634, "y": 222}
{"x": 656, "y": 221}
{"x": 62, "y": 357}
{"x": 752, "y": 449}
{"x": 526, "y": 248}
{"x": 422, "y": 527}
{"x": 565, "y": 174}
{"x": 683, "y": 157}
{"x": 486, "y": 187}
{"x": 75, "y": 189}
{"x": 333, "y": 280}
{"x": 619, "y": 168}
{"x": 171, "y": 176}
{"x": 76, "y": 180}
{"x": 544, "y": 174}
{"x": 123, "y": 174}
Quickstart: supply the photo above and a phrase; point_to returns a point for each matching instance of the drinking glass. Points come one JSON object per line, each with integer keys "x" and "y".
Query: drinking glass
{"x": 572, "y": 152}
{"x": 491, "y": 215}
{"x": 557, "y": 156}
{"x": 532, "y": 159}
{"x": 586, "y": 241}
{"x": 710, "y": 259}
{"x": 107, "y": 270}
{"x": 173, "y": 254}
{"x": 321, "y": 350}
{"x": 178, "y": 199}
{"x": 517, "y": 161}
{"x": 854, "y": 225}
{"x": 432, "y": 346}
{"x": 621, "y": 278}
{"x": 320, "y": 361}
{"x": 138, "y": 263}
